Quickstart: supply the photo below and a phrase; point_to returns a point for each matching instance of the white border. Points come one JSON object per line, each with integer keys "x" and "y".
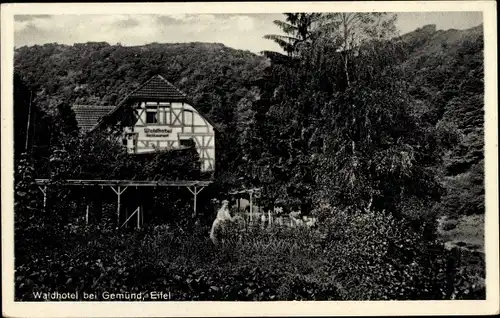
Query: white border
{"x": 355, "y": 308}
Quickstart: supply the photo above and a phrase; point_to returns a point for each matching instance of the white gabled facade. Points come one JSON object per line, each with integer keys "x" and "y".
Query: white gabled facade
{"x": 170, "y": 125}
{"x": 158, "y": 116}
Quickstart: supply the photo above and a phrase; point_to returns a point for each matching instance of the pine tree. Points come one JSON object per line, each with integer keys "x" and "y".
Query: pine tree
{"x": 298, "y": 29}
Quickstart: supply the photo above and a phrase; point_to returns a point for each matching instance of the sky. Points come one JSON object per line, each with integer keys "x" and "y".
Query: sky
{"x": 240, "y": 31}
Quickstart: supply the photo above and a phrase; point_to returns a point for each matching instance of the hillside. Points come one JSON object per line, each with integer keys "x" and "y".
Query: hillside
{"x": 444, "y": 70}
{"x": 103, "y": 74}
{"x": 381, "y": 143}
{"x": 213, "y": 76}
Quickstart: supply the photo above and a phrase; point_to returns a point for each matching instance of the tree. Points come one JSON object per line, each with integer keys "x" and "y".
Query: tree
{"x": 376, "y": 153}
{"x": 339, "y": 123}
{"x": 349, "y": 31}
{"x": 349, "y": 133}
{"x": 23, "y": 115}
{"x": 298, "y": 29}
{"x": 277, "y": 140}
{"x": 95, "y": 73}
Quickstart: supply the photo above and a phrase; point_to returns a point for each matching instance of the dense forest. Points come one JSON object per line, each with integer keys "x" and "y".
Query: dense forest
{"x": 360, "y": 126}
{"x": 442, "y": 71}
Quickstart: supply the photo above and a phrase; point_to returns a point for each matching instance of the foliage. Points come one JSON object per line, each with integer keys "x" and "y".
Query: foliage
{"x": 299, "y": 28}
{"x": 87, "y": 73}
{"x": 344, "y": 128}
{"x": 355, "y": 259}
{"x": 378, "y": 257}
{"x": 376, "y": 152}
{"x": 99, "y": 156}
{"x": 215, "y": 78}
{"x": 377, "y": 126}
{"x": 352, "y": 116}
{"x": 277, "y": 120}
{"x": 25, "y": 190}
{"x": 465, "y": 195}
{"x": 348, "y": 32}
{"x": 445, "y": 73}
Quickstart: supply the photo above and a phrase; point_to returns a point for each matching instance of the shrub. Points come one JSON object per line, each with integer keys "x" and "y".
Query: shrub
{"x": 364, "y": 256}
{"x": 450, "y": 224}
{"x": 25, "y": 194}
{"x": 375, "y": 256}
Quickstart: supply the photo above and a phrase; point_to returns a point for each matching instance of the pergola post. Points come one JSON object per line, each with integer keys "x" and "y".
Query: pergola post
{"x": 139, "y": 212}
{"x": 251, "y": 206}
{"x": 87, "y": 215}
{"x": 44, "y": 192}
{"x": 119, "y": 186}
{"x": 195, "y": 201}
{"x": 118, "y": 206}
{"x": 86, "y": 201}
{"x": 118, "y": 192}
{"x": 195, "y": 192}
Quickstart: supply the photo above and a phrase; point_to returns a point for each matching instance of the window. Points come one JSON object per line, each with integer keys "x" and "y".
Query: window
{"x": 151, "y": 117}
{"x": 187, "y": 142}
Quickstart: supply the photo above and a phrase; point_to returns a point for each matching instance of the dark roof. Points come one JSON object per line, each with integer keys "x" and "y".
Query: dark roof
{"x": 158, "y": 88}
{"x": 87, "y": 116}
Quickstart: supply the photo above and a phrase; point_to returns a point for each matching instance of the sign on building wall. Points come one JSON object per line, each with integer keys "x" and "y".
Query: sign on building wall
{"x": 157, "y": 132}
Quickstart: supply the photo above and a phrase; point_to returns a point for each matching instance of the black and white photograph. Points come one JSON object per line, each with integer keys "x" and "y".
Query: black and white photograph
{"x": 215, "y": 154}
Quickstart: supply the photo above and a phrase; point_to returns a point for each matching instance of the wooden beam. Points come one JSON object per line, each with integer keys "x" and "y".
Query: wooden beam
{"x": 254, "y": 190}
{"x": 44, "y": 191}
{"x": 182, "y": 112}
{"x": 158, "y": 113}
{"x": 118, "y": 192}
{"x": 139, "y": 212}
{"x": 87, "y": 215}
{"x": 130, "y": 216}
{"x": 251, "y": 206}
{"x": 126, "y": 183}
{"x": 139, "y": 117}
{"x": 195, "y": 192}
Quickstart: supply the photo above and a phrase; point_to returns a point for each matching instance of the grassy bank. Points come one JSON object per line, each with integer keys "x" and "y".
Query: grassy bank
{"x": 466, "y": 232}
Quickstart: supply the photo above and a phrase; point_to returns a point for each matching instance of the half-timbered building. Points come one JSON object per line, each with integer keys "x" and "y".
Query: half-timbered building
{"x": 155, "y": 116}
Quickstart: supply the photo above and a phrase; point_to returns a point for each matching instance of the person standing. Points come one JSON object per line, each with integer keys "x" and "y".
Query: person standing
{"x": 223, "y": 216}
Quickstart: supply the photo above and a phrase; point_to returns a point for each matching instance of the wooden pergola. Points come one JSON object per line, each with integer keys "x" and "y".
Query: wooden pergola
{"x": 119, "y": 187}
